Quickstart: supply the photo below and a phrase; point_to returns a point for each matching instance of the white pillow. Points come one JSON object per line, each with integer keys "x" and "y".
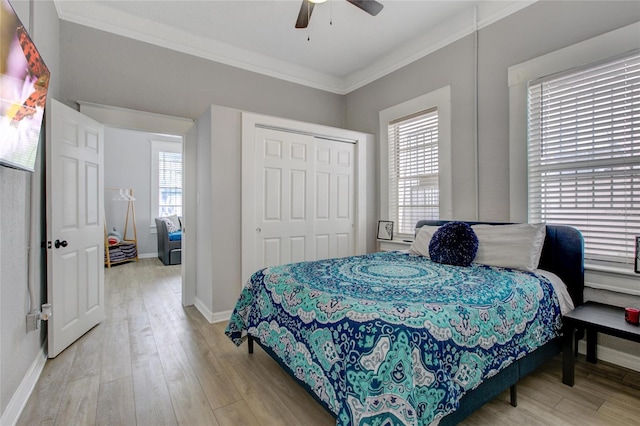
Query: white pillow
{"x": 516, "y": 246}
{"x": 171, "y": 227}
{"x": 421, "y": 244}
{"x": 176, "y": 221}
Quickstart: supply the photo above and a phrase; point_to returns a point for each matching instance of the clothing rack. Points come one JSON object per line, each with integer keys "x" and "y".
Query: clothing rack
{"x": 127, "y": 249}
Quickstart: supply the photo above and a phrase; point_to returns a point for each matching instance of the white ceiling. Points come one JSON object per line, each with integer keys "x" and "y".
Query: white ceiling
{"x": 343, "y": 48}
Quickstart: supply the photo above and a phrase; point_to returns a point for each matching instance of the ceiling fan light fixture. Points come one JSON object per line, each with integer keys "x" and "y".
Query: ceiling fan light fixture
{"x": 372, "y": 7}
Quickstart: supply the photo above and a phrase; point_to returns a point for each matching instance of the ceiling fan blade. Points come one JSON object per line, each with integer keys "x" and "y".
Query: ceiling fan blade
{"x": 305, "y": 14}
{"x": 372, "y": 7}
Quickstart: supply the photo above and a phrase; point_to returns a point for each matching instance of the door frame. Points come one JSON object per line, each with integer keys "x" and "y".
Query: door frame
{"x": 130, "y": 119}
{"x": 249, "y": 123}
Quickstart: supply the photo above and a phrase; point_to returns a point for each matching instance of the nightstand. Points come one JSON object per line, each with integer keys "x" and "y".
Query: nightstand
{"x": 594, "y": 318}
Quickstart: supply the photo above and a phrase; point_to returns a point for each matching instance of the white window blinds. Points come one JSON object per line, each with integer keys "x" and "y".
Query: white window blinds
{"x": 170, "y": 183}
{"x": 584, "y": 155}
{"x": 413, "y": 170}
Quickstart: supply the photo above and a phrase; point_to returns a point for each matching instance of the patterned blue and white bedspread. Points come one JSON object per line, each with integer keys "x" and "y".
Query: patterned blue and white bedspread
{"x": 394, "y": 338}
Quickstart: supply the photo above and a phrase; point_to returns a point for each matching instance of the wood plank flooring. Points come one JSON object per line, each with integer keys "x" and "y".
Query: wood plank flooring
{"x": 154, "y": 362}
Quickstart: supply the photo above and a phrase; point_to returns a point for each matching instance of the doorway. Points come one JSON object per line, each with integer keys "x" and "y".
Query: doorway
{"x": 149, "y": 165}
{"x": 129, "y": 136}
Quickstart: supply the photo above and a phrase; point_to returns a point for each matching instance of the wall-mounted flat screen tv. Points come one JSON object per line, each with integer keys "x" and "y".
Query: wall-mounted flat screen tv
{"x": 24, "y": 81}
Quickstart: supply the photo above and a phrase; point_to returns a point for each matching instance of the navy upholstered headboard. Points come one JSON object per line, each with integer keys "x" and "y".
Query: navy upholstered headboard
{"x": 562, "y": 254}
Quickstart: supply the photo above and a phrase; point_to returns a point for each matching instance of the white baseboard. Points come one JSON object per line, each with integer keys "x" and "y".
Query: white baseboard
{"x": 19, "y": 399}
{"x": 623, "y": 359}
{"x": 221, "y": 316}
{"x": 211, "y": 316}
{"x": 147, "y": 255}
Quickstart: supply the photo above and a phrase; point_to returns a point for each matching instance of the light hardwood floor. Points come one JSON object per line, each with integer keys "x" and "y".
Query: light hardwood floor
{"x": 153, "y": 362}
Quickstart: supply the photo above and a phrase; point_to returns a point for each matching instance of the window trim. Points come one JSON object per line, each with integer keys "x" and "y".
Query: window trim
{"x": 589, "y": 51}
{"x": 158, "y": 146}
{"x": 441, "y": 99}
{"x": 593, "y": 50}
{"x": 588, "y": 111}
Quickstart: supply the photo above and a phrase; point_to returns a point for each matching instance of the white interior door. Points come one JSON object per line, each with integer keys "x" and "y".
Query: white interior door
{"x": 284, "y": 194}
{"x": 333, "y": 222}
{"x": 305, "y": 198}
{"x": 75, "y": 227}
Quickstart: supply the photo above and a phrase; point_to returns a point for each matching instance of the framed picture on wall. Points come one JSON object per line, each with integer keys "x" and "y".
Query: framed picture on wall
{"x": 637, "y": 262}
{"x": 385, "y": 230}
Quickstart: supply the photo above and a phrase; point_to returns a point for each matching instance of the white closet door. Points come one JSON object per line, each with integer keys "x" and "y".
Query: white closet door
{"x": 284, "y": 197}
{"x": 305, "y": 200}
{"x": 333, "y": 220}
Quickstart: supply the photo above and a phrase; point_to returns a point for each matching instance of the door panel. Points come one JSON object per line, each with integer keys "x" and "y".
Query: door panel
{"x": 323, "y": 183}
{"x": 282, "y": 197}
{"x": 335, "y": 177}
{"x": 271, "y": 251}
{"x": 298, "y": 182}
{"x": 322, "y": 246}
{"x": 75, "y": 230}
{"x": 306, "y": 200}
{"x": 272, "y": 194}
{"x": 69, "y": 304}
{"x": 297, "y": 248}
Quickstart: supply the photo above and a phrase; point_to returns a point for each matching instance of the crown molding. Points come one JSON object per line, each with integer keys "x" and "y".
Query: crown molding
{"x": 122, "y": 24}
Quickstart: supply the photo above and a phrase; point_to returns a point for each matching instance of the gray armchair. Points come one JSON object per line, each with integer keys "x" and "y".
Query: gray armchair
{"x": 169, "y": 252}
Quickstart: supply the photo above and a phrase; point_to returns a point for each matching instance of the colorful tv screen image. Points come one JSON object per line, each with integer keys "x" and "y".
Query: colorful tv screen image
{"x": 24, "y": 81}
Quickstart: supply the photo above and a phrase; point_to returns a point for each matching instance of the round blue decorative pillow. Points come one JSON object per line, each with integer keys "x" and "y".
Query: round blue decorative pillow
{"x": 454, "y": 243}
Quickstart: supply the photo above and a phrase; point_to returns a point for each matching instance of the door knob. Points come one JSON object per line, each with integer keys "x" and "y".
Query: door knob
{"x": 59, "y": 243}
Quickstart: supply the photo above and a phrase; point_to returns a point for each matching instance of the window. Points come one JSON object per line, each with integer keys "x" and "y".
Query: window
{"x": 584, "y": 154}
{"x": 166, "y": 179}
{"x": 415, "y": 155}
{"x": 169, "y": 183}
{"x": 413, "y": 169}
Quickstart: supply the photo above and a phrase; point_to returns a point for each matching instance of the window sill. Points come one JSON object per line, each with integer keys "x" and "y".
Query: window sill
{"x": 391, "y": 245}
{"x": 612, "y": 278}
{"x": 611, "y": 269}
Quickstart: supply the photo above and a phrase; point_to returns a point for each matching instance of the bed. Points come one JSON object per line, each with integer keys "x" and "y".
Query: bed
{"x": 396, "y": 338}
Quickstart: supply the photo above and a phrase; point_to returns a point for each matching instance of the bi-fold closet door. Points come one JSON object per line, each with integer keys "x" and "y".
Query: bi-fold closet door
{"x": 305, "y": 197}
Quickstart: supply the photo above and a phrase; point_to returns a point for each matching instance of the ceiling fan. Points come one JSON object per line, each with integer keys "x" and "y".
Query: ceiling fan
{"x": 372, "y": 7}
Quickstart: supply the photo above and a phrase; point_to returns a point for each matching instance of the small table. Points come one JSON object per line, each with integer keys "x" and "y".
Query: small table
{"x": 595, "y": 318}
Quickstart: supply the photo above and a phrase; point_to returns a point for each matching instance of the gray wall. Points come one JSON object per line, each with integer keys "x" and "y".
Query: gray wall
{"x": 127, "y": 164}
{"x": 534, "y": 31}
{"x": 136, "y": 75}
{"x": 538, "y": 29}
{"x": 218, "y": 216}
{"x": 203, "y": 225}
{"x": 99, "y": 67}
{"x": 108, "y": 69}
{"x": 20, "y": 348}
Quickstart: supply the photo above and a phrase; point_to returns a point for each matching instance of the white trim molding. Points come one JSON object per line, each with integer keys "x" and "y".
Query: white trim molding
{"x": 598, "y": 48}
{"x": 122, "y": 23}
{"x": 611, "y": 279}
{"x": 131, "y": 119}
{"x": 623, "y": 359}
{"x": 158, "y": 146}
{"x": 440, "y": 98}
{"x": 211, "y": 317}
{"x": 19, "y": 399}
{"x": 592, "y": 50}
